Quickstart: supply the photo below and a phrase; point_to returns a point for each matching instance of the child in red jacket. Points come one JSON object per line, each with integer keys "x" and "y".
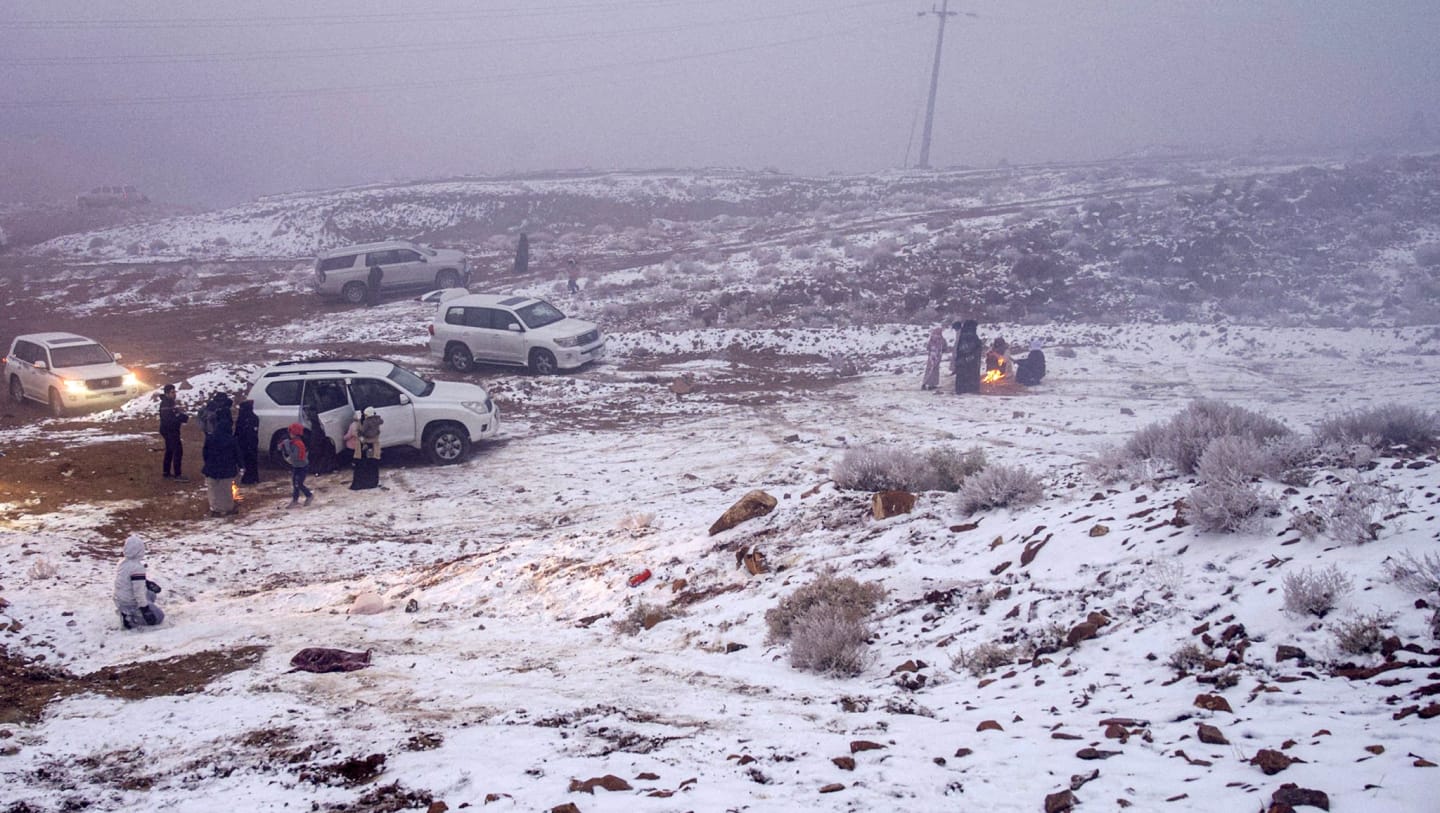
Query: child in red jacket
{"x": 293, "y": 448}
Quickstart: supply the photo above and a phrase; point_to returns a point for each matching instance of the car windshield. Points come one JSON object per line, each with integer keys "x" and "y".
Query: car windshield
{"x": 414, "y": 384}
{"x": 79, "y": 355}
{"x": 540, "y": 314}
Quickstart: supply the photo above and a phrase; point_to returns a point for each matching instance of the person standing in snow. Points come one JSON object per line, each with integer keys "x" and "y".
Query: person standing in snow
{"x": 367, "y": 459}
{"x": 294, "y": 452}
{"x": 247, "y": 437}
{"x": 221, "y": 455}
{"x": 372, "y": 285}
{"x": 572, "y": 276}
{"x": 134, "y": 594}
{"x": 1031, "y": 369}
{"x": 934, "y": 352}
{"x": 966, "y": 364}
{"x": 172, "y": 417}
{"x": 318, "y": 445}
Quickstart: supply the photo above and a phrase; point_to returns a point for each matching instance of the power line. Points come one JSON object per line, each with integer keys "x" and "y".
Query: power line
{"x": 942, "y": 14}
{"x": 371, "y": 50}
{"x": 310, "y": 93}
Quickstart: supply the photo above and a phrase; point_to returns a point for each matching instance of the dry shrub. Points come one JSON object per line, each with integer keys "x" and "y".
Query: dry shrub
{"x": 1235, "y": 459}
{"x": 899, "y": 468}
{"x": 983, "y": 659}
{"x": 828, "y": 643}
{"x": 1417, "y": 575}
{"x": 1226, "y": 507}
{"x": 1351, "y": 515}
{"x": 1189, "y": 658}
{"x": 841, "y": 597}
{"x": 1181, "y": 440}
{"x": 998, "y": 487}
{"x": 1382, "y": 427}
{"x": 643, "y": 616}
{"x": 1362, "y": 633}
{"x": 1315, "y": 592}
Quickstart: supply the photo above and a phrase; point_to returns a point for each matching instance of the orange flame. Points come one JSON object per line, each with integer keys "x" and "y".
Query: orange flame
{"x": 992, "y": 377}
{"x": 234, "y": 491}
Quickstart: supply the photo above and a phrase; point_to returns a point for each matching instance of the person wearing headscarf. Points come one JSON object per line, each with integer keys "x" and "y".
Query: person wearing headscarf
{"x": 1031, "y": 369}
{"x": 135, "y": 594}
{"x": 247, "y": 437}
{"x": 966, "y": 364}
{"x": 934, "y": 352}
{"x": 221, "y": 455}
{"x": 367, "y": 457}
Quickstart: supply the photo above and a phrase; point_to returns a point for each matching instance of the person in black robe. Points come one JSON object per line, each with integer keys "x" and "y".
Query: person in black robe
{"x": 247, "y": 436}
{"x": 1031, "y": 369}
{"x": 966, "y": 364}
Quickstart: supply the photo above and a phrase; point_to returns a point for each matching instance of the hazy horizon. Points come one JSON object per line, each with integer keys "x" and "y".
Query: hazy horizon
{"x": 223, "y": 102}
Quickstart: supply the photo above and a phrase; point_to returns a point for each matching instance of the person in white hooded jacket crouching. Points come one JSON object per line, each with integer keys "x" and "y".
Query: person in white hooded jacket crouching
{"x": 134, "y": 594}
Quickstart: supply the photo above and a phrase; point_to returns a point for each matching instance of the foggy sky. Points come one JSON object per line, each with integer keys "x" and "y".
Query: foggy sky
{"x": 261, "y": 96}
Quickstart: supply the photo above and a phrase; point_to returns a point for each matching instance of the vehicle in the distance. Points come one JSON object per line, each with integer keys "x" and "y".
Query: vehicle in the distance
{"x": 517, "y": 330}
{"x": 66, "y": 372}
{"x": 440, "y": 418}
{"x": 345, "y": 272}
{"x": 110, "y": 196}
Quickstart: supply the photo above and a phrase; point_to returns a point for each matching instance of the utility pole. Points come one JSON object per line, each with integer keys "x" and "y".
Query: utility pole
{"x": 943, "y": 12}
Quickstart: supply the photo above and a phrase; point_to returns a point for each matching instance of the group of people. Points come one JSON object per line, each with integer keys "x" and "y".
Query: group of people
{"x": 232, "y": 448}
{"x": 971, "y": 361}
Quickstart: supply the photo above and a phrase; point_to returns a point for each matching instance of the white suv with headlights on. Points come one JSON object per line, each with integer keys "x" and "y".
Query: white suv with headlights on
{"x": 345, "y": 272}
{"x": 440, "y": 418}
{"x": 67, "y": 372}
{"x": 518, "y": 330}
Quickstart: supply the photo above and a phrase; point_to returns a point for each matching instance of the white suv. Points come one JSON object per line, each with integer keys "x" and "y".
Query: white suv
{"x": 517, "y": 330}
{"x": 345, "y": 272}
{"x": 440, "y": 418}
{"x": 67, "y": 372}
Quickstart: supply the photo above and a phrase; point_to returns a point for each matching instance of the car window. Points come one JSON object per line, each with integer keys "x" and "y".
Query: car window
{"x": 540, "y": 314}
{"x": 370, "y": 392}
{"x": 502, "y": 320}
{"x": 25, "y": 351}
{"x": 405, "y": 255}
{"x": 479, "y": 317}
{"x": 79, "y": 355}
{"x": 381, "y": 258}
{"x": 284, "y": 393}
{"x": 325, "y": 394}
{"x": 455, "y": 316}
{"x": 337, "y": 263}
{"x": 412, "y": 382}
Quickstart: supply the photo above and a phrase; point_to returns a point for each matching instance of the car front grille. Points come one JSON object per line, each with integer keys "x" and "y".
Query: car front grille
{"x": 589, "y": 338}
{"x": 103, "y": 383}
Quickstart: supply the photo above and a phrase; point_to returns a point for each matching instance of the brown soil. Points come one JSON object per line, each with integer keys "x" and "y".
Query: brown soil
{"x": 27, "y": 687}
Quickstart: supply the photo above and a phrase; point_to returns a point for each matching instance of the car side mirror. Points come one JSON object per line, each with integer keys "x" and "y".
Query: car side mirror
{"x": 118, "y": 357}
{"x": 404, "y": 399}
{"x": 40, "y": 365}
{"x": 422, "y": 259}
{"x": 514, "y": 327}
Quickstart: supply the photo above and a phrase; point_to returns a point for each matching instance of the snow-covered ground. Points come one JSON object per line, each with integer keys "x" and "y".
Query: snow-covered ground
{"x": 503, "y": 685}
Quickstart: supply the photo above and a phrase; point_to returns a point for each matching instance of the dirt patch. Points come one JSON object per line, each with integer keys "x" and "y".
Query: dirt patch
{"x": 28, "y": 686}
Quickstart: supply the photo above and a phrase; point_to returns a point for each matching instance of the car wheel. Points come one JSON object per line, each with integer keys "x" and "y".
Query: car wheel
{"x": 447, "y": 279}
{"x": 353, "y": 292}
{"x": 542, "y": 362}
{"x": 17, "y": 390}
{"x": 57, "y": 406}
{"x": 458, "y": 357}
{"x": 446, "y": 444}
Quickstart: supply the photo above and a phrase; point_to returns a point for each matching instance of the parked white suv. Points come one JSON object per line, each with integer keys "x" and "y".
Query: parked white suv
{"x": 345, "y": 272}
{"x": 517, "y": 330}
{"x": 67, "y": 372}
{"x": 440, "y": 418}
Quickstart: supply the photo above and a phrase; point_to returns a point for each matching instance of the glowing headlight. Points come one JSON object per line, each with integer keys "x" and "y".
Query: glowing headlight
{"x": 74, "y": 386}
{"x": 130, "y": 380}
{"x": 568, "y": 341}
{"x": 482, "y": 407}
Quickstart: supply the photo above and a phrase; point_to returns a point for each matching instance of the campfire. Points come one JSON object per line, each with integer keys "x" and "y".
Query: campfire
{"x": 235, "y": 491}
{"x": 992, "y": 377}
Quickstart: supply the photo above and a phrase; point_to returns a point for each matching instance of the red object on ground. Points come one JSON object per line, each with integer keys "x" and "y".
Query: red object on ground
{"x": 640, "y": 578}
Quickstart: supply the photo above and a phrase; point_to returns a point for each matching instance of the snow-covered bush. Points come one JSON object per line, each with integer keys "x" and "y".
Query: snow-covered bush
{"x": 1382, "y": 427}
{"x": 828, "y": 644}
{"x": 1234, "y": 459}
{"x": 983, "y": 659}
{"x": 643, "y": 616}
{"x": 952, "y": 466}
{"x": 1415, "y": 574}
{"x": 884, "y": 468}
{"x": 1188, "y": 658}
{"x": 1351, "y": 514}
{"x": 999, "y": 487}
{"x": 1181, "y": 440}
{"x": 1315, "y": 592}
{"x": 1226, "y": 506}
{"x": 1362, "y": 633}
{"x": 842, "y": 597}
